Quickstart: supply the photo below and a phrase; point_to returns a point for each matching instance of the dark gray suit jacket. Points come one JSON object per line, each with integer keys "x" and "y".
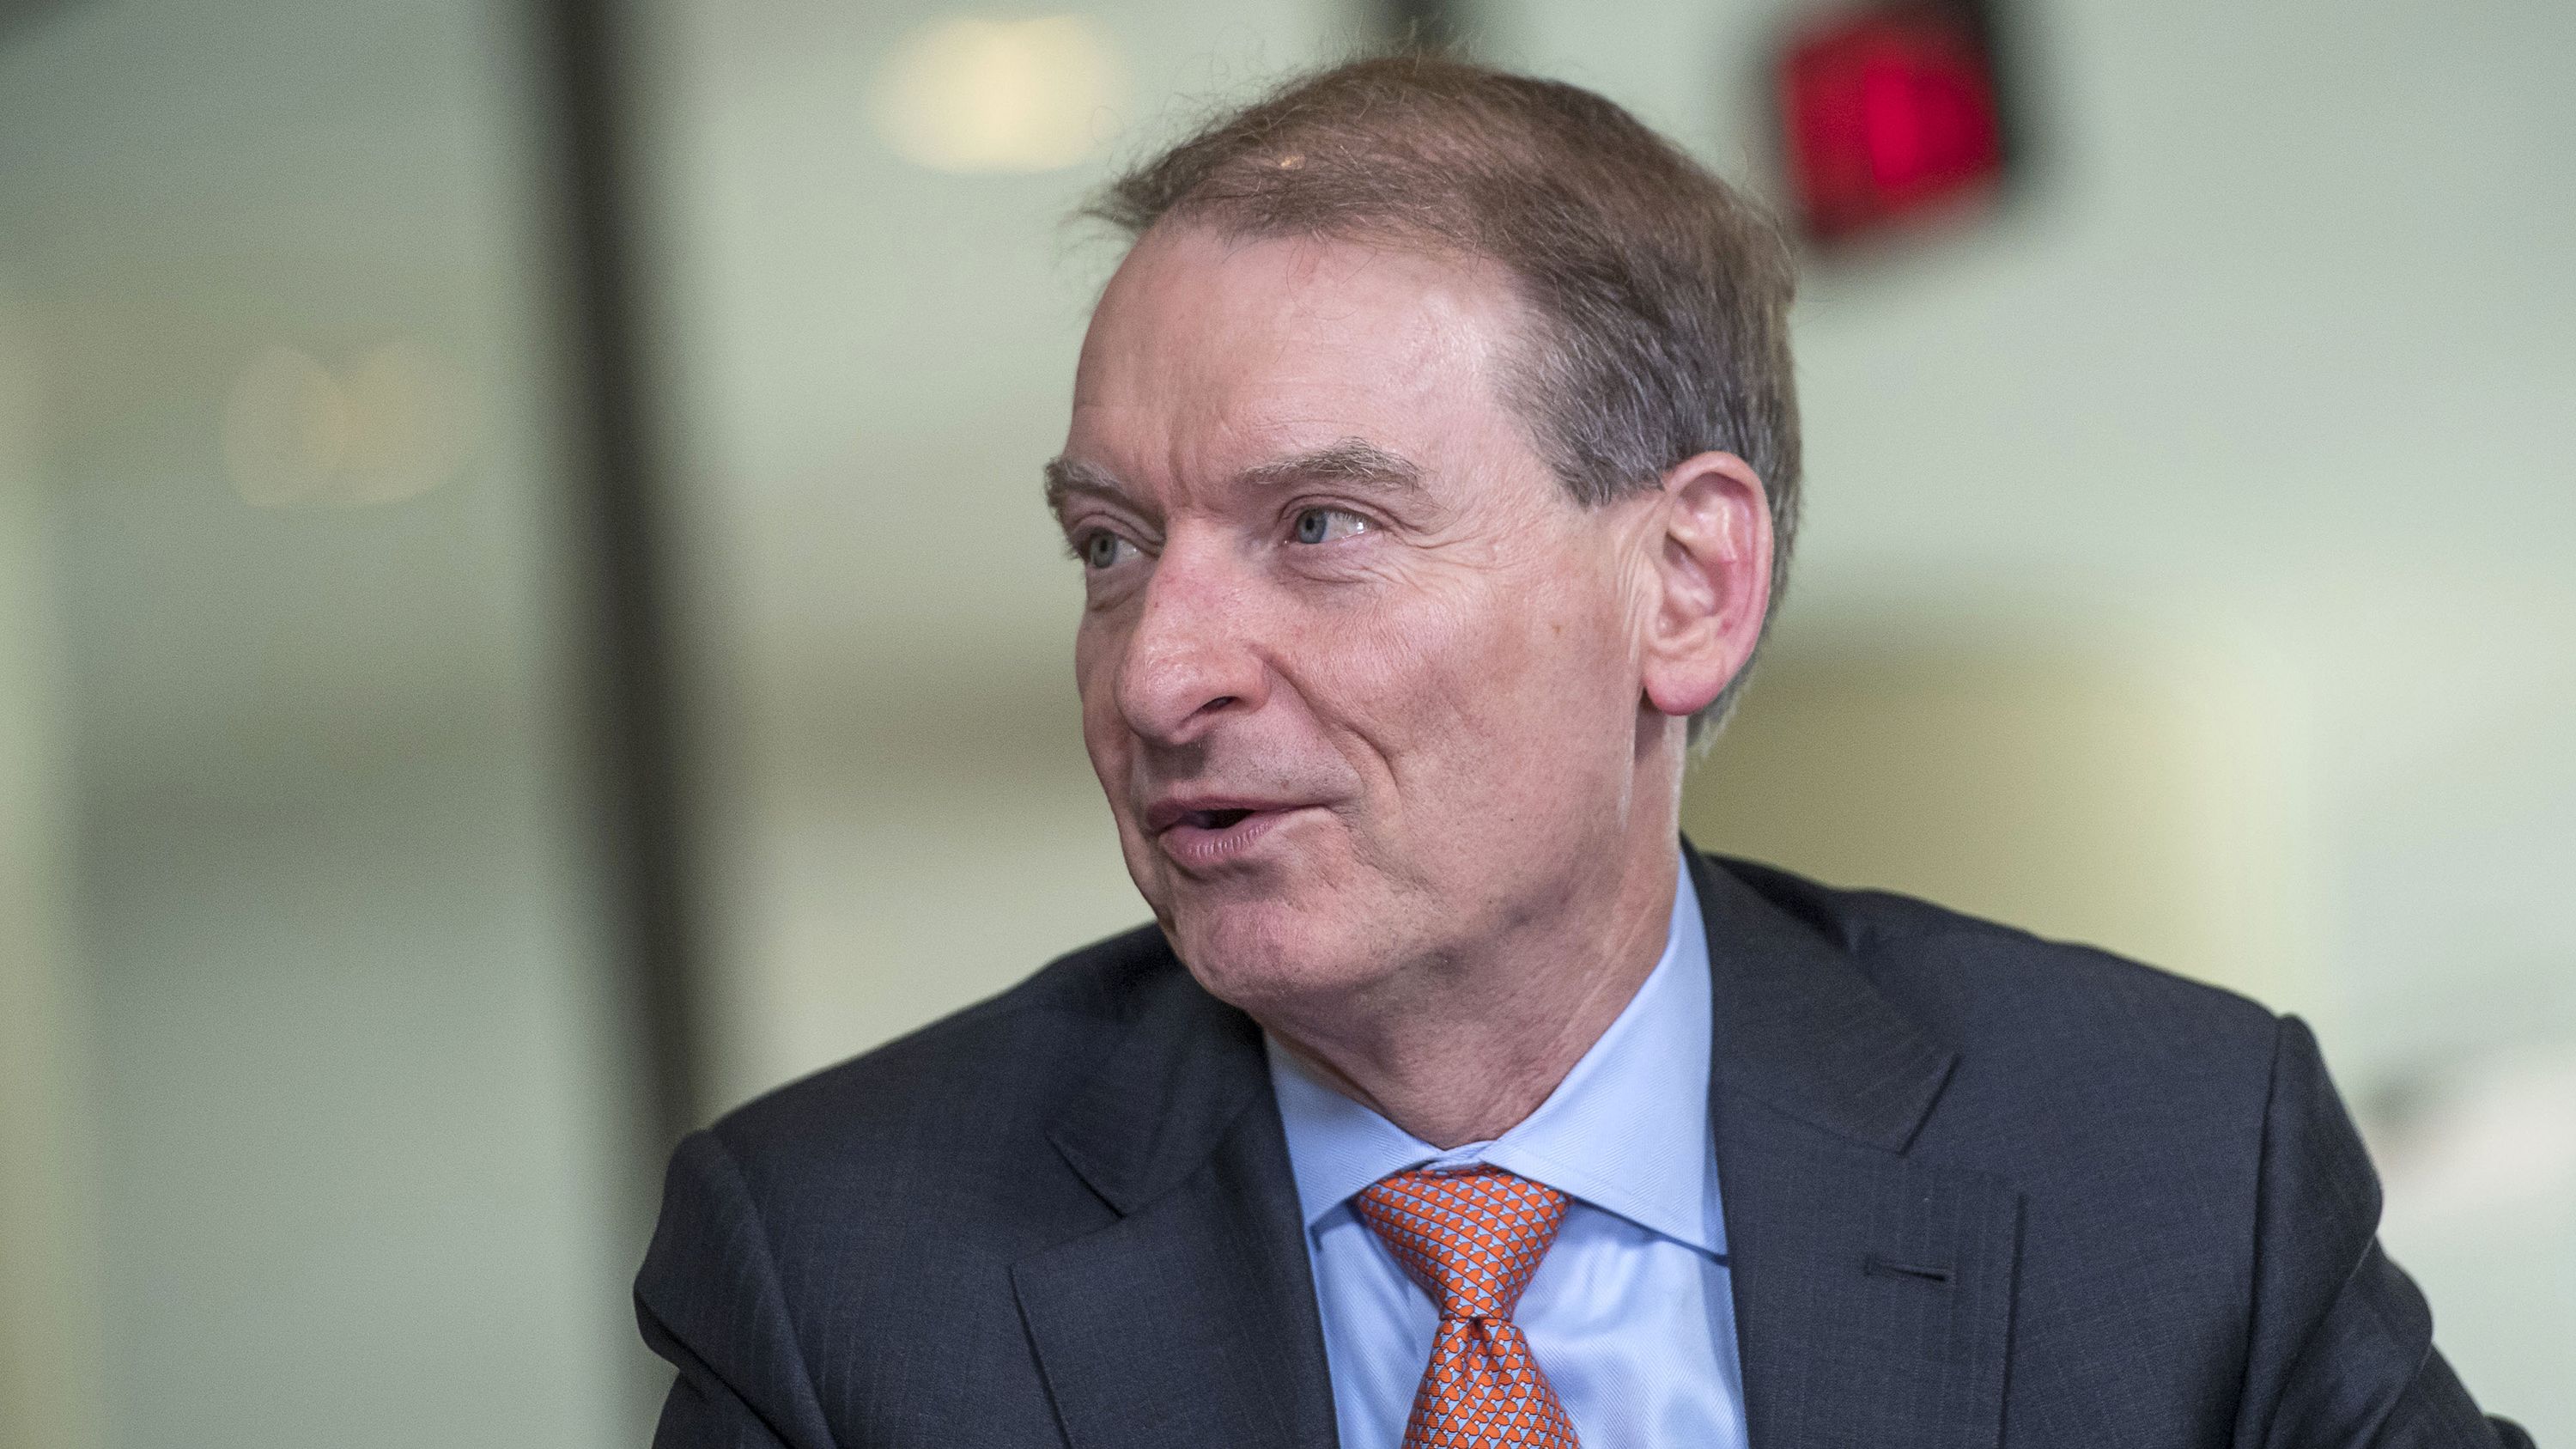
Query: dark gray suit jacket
{"x": 1980, "y": 1189}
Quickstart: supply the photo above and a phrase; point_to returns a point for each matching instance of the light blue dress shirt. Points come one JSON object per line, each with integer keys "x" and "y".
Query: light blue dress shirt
{"x": 1630, "y": 1314}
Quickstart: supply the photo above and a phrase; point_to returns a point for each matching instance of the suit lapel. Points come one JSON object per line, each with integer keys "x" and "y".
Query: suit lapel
{"x": 1873, "y": 1294}
{"x": 1191, "y": 1320}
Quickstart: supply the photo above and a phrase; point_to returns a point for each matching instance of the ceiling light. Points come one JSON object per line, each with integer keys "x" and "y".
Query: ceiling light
{"x": 973, "y": 95}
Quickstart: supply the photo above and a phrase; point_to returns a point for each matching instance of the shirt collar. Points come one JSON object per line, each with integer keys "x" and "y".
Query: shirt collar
{"x": 1626, "y": 1131}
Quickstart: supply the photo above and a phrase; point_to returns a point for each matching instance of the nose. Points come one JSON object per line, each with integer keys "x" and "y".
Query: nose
{"x": 1190, "y": 659}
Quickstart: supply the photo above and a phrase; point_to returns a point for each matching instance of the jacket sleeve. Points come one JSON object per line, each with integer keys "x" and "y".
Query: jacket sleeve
{"x": 709, "y": 1300}
{"x": 2341, "y": 1347}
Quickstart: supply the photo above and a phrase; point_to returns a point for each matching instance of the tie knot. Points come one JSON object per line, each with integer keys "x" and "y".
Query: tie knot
{"x": 1472, "y": 1238}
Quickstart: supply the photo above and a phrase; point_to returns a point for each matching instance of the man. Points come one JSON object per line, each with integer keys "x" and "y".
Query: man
{"x": 1432, "y": 467}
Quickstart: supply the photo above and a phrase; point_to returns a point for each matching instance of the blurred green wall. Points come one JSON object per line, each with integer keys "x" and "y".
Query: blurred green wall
{"x": 325, "y": 964}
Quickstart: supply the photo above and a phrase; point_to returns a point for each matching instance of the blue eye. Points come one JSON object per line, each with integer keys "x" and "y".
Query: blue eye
{"x": 1326, "y": 525}
{"x": 1100, "y": 550}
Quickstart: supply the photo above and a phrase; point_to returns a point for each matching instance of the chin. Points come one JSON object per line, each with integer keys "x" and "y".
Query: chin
{"x": 1263, "y": 956}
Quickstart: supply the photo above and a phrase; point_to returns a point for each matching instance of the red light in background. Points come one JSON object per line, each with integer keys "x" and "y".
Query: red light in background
{"x": 1888, "y": 112}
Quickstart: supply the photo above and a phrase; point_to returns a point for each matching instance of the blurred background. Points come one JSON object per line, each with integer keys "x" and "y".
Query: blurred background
{"x": 526, "y": 619}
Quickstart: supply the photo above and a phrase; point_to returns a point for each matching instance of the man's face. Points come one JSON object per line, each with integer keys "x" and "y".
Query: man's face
{"x": 1360, "y": 679}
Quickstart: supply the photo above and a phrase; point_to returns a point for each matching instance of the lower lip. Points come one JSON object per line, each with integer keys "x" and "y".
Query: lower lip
{"x": 1197, "y": 845}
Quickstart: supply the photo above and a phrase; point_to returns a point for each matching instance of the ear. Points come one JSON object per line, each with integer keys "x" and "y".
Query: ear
{"x": 1712, "y": 581}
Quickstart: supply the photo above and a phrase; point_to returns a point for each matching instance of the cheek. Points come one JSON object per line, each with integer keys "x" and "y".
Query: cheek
{"x": 1498, "y": 667}
{"x": 1095, "y": 671}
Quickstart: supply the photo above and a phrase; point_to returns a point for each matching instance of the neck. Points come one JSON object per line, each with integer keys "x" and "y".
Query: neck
{"x": 1461, "y": 1050}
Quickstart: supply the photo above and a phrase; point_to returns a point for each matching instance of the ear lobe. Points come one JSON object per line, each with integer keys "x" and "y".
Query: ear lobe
{"x": 1713, "y": 581}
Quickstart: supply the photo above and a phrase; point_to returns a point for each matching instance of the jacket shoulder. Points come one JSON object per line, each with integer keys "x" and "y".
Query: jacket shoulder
{"x": 837, "y": 1253}
{"x": 2123, "y": 1104}
{"x": 1978, "y": 984}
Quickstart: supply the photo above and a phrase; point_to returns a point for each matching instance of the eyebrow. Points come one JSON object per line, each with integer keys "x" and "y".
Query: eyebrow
{"x": 1066, "y": 477}
{"x": 1350, "y": 460}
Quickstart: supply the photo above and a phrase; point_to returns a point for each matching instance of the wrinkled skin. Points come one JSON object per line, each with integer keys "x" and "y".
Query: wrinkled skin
{"x": 1392, "y": 727}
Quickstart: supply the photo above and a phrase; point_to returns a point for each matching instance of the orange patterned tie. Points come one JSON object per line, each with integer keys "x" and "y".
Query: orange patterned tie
{"x": 1472, "y": 1239}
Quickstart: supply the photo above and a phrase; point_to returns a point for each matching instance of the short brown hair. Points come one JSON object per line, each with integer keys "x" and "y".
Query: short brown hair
{"x": 1660, "y": 294}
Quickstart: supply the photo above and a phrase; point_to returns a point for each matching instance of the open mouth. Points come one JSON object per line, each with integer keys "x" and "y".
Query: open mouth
{"x": 1211, "y": 835}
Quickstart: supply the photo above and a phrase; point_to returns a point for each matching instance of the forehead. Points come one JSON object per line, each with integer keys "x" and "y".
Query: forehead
{"x": 1209, "y": 353}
